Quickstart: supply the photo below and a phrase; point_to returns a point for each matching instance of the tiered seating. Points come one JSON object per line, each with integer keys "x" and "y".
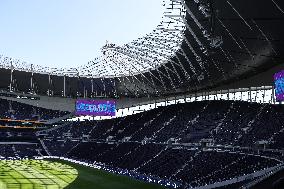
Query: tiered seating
{"x": 168, "y": 163}
{"x": 129, "y": 128}
{"x": 149, "y": 151}
{"x": 6, "y": 151}
{"x": 14, "y": 135}
{"x": 190, "y": 167}
{"x": 20, "y": 111}
{"x": 277, "y": 140}
{"x": 20, "y": 150}
{"x": 59, "y": 147}
{"x": 211, "y": 167}
{"x": 227, "y": 122}
{"x": 118, "y": 152}
{"x": 16, "y": 142}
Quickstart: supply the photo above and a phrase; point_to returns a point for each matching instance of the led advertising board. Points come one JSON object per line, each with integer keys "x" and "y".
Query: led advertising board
{"x": 95, "y": 107}
{"x": 279, "y": 85}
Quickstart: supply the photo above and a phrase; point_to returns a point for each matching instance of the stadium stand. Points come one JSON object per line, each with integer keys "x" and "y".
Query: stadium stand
{"x": 194, "y": 143}
{"x": 233, "y": 123}
{"x": 19, "y": 111}
{"x": 20, "y": 150}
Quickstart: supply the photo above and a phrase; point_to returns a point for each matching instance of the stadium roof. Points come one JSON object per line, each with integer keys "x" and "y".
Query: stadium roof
{"x": 108, "y": 63}
{"x": 199, "y": 44}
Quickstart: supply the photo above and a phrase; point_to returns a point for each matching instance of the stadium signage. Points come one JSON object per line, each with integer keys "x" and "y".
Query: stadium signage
{"x": 95, "y": 107}
{"x": 279, "y": 85}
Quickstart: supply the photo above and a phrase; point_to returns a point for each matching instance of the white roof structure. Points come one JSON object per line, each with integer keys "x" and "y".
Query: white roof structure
{"x": 136, "y": 57}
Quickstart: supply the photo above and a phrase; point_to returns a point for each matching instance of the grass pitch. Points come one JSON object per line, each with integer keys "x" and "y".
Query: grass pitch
{"x": 58, "y": 174}
{"x": 35, "y": 174}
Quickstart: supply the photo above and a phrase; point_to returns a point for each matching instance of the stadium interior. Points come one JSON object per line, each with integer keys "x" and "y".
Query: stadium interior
{"x": 196, "y": 103}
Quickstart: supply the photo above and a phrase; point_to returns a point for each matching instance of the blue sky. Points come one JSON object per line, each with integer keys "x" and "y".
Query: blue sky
{"x": 64, "y": 33}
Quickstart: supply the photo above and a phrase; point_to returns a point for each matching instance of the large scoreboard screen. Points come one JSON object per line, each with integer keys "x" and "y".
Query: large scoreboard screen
{"x": 279, "y": 85}
{"x": 95, "y": 107}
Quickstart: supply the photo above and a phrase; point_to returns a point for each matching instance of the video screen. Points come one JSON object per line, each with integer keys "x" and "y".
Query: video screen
{"x": 279, "y": 85}
{"x": 95, "y": 107}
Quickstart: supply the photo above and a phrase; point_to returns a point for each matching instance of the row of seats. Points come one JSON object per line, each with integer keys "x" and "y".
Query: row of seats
{"x": 225, "y": 122}
{"x": 189, "y": 167}
{"x": 20, "y": 111}
{"x": 21, "y": 150}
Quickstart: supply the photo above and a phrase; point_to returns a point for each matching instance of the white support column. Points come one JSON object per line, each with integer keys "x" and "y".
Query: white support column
{"x": 11, "y": 77}
{"x": 85, "y": 92}
{"x": 263, "y": 95}
{"x": 273, "y": 95}
{"x": 208, "y": 95}
{"x": 155, "y": 104}
{"x": 64, "y": 85}
{"x": 250, "y": 95}
{"x": 104, "y": 87}
{"x": 32, "y": 83}
{"x": 114, "y": 86}
{"x": 92, "y": 81}
{"x": 228, "y": 94}
{"x": 49, "y": 84}
{"x": 255, "y": 97}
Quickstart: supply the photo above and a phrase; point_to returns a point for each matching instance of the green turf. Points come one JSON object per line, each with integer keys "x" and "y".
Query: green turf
{"x": 58, "y": 174}
{"x": 35, "y": 174}
{"x": 89, "y": 178}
